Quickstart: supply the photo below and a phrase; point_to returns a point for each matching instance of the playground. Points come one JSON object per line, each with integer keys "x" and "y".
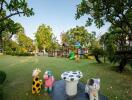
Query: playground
{"x": 18, "y": 84}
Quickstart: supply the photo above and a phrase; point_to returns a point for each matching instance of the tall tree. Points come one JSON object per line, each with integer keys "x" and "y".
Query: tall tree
{"x": 95, "y": 48}
{"x": 77, "y": 34}
{"x": 7, "y": 29}
{"x": 24, "y": 41}
{"x": 54, "y": 43}
{"x": 112, "y": 41}
{"x": 118, "y": 13}
{"x": 64, "y": 37}
{"x": 11, "y": 28}
{"x": 9, "y": 8}
{"x": 10, "y": 46}
{"x": 43, "y": 37}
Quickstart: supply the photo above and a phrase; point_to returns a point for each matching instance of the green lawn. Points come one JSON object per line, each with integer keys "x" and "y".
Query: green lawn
{"x": 19, "y": 76}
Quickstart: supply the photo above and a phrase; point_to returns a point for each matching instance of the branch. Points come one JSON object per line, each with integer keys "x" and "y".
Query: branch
{"x": 2, "y": 19}
{"x": 125, "y": 21}
{"x": 108, "y": 12}
{"x": 2, "y": 29}
{"x": 120, "y": 26}
{"x": 10, "y": 36}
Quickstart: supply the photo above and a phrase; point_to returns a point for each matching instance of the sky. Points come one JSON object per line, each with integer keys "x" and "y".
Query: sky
{"x": 58, "y": 14}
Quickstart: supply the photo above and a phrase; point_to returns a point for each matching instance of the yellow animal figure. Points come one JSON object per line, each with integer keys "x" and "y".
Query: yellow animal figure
{"x": 77, "y": 58}
{"x": 37, "y": 83}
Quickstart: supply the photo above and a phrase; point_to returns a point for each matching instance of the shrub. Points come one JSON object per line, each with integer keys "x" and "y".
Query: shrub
{"x": 98, "y": 52}
{"x": 2, "y": 77}
{"x": 16, "y": 53}
{"x": 1, "y": 92}
{"x": 86, "y": 56}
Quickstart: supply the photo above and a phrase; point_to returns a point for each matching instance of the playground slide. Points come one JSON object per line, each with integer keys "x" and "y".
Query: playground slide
{"x": 72, "y": 56}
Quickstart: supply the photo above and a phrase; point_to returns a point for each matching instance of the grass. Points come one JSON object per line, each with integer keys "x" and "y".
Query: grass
{"x": 17, "y": 86}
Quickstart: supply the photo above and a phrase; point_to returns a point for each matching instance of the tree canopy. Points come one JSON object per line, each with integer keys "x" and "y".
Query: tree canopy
{"x": 77, "y": 34}
{"x": 9, "y": 8}
{"x": 118, "y": 13}
{"x": 43, "y": 37}
{"x": 24, "y": 41}
{"x": 117, "y": 47}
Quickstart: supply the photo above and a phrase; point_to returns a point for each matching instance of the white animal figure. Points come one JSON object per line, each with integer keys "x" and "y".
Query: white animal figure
{"x": 92, "y": 87}
{"x": 36, "y": 72}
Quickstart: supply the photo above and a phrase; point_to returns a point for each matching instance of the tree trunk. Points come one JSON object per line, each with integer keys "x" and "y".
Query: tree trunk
{"x": 1, "y": 43}
{"x": 97, "y": 58}
{"x": 104, "y": 59}
{"x": 122, "y": 65}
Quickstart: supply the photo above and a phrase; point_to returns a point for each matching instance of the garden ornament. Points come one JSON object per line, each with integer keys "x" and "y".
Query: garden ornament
{"x": 92, "y": 87}
{"x": 71, "y": 78}
{"x": 37, "y": 83}
{"x": 49, "y": 80}
{"x": 77, "y": 58}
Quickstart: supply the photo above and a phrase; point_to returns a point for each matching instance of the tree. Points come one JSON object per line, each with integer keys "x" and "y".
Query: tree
{"x": 96, "y": 48}
{"x": 118, "y": 13}
{"x": 7, "y": 29}
{"x": 24, "y": 41}
{"x": 14, "y": 7}
{"x": 54, "y": 43}
{"x": 7, "y": 10}
{"x": 43, "y": 37}
{"x": 97, "y": 52}
{"x": 77, "y": 34}
{"x": 11, "y": 28}
{"x": 10, "y": 46}
{"x": 112, "y": 41}
{"x": 64, "y": 37}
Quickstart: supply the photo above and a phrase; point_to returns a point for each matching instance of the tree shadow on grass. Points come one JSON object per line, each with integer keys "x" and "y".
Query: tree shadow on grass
{"x": 127, "y": 69}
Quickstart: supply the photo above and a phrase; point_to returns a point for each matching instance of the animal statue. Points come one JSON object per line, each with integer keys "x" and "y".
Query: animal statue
{"x": 49, "y": 80}
{"x": 77, "y": 58}
{"x": 92, "y": 87}
{"x": 37, "y": 83}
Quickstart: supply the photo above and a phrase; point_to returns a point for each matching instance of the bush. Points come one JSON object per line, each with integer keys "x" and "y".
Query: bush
{"x": 2, "y": 77}
{"x": 88, "y": 56}
{"x": 16, "y": 53}
{"x": 85, "y": 56}
{"x": 98, "y": 51}
{"x": 1, "y": 92}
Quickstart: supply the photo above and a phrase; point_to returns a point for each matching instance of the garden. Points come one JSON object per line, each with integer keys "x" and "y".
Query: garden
{"x": 19, "y": 76}
{"x": 60, "y": 58}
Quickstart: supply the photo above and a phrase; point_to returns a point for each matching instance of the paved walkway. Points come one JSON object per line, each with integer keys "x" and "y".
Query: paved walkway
{"x": 60, "y": 94}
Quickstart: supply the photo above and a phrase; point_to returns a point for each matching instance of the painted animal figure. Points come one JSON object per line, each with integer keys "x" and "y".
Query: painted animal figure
{"x": 37, "y": 83}
{"x": 77, "y": 58}
{"x": 49, "y": 80}
{"x": 92, "y": 87}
